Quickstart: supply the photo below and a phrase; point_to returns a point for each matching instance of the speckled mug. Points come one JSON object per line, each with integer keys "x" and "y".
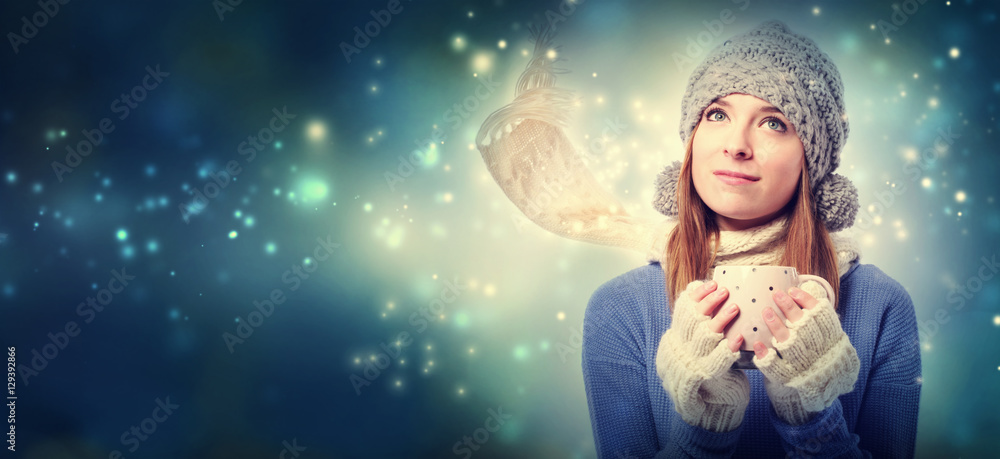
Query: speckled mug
{"x": 752, "y": 287}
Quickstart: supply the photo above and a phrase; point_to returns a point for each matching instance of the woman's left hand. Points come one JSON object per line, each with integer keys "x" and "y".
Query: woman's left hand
{"x": 791, "y": 305}
{"x": 813, "y": 361}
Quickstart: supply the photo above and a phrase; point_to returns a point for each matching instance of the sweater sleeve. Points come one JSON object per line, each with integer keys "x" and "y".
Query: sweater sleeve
{"x": 887, "y": 418}
{"x": 614, "y": 377}
{"x": 616, "y": 381}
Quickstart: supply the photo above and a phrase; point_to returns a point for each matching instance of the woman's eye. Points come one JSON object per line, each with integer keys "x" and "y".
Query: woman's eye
{"x": 716, "y": 115}
{"x": 775, "y": 125}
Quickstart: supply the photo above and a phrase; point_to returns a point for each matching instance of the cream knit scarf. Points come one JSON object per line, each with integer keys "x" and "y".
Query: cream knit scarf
{"x": 765, "y": 244}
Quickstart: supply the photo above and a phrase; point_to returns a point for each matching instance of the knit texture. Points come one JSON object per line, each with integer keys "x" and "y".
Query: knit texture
{"x": 817, "y": 364}
{"x": 634, "y": 416}
{"x": 765, "y": 244}
{"x": 694, "y": 364}
{"x": 790, "y": 72}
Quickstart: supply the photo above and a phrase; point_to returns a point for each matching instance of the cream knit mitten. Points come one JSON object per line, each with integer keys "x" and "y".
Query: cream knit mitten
{"x": 817, "y": 363}
{"x": 694, "y": 365}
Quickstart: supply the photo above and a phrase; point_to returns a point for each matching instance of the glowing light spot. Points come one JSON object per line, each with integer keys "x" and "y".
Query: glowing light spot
{"x": 128, "y": 251}
{"x": 233, "y": 234}
{"x": 447, "y": 197}
{"x": 11, "y": 177}
{"x": 458, "y": 43}
{"x": 960, "y": 196}
{"x": 316, "y": 131}
{"x": 395, "y": 237}
{"x": 278, "y": 145}
{"x": 249, "y": 221}
{"x": 489, "y": 290}
{"x": 153, "y": 246}
{"x": 953, "y": 53}
{"x": 461, "y": 391}
{"x": 521, "y": 353}
{"x": 561, "y": 315}
{"x": 482, "y": 62}
{"x": 502, "y": 44}
{"x": 122, "y": 235}
{"x": 926, "y": 182}
{"x": 551, "y": 54}
{"x": 98, "y": 197}
{"x": 368, "y": 207}
{"x": 461, "y": 320}
{"x": 313, "y": 190}
{"x": 933, "y": 102}
{"x": 996, "y": 320}
{"x": 816, "y": 11}
{"x": 238, "y": 213}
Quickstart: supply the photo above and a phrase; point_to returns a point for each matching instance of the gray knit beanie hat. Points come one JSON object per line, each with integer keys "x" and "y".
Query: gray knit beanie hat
{"x": 790, "y": 72}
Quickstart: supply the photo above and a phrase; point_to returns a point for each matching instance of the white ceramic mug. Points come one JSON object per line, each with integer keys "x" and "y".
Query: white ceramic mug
{"x": 752, "y": 287}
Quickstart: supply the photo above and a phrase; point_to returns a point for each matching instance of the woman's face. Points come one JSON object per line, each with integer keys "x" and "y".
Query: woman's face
{"x": 745, "y": 136}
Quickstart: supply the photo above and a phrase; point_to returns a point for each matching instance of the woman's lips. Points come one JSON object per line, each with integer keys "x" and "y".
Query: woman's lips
{"x": 728, "y": 179}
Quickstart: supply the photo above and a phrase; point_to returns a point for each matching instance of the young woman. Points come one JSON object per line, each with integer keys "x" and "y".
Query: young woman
{"x": 763, "y": 122}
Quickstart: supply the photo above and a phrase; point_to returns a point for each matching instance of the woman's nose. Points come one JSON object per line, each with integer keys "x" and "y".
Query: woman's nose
{"x": 738, "y": 143}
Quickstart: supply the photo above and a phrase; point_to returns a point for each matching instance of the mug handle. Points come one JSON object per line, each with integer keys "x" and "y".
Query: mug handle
{"x": 826, "y": 285}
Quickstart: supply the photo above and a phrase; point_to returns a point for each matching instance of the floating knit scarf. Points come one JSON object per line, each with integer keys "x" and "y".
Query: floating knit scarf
{"x": 526, "y": 150}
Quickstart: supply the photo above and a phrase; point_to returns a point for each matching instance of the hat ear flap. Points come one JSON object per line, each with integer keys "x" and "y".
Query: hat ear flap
{"x": 837, "y": 202}
{"x": 665, "y": 197}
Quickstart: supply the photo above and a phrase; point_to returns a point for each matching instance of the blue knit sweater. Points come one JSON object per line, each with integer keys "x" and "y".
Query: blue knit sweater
{"x": 633, "y": 417}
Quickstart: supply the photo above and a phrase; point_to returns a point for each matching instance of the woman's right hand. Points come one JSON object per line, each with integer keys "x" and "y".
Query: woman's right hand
{"x": 694, "y": 361}
{"x": 709, "y": 297}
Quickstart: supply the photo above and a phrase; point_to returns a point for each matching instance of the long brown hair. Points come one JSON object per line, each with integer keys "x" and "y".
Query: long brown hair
{"x": 689, "y": 256}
